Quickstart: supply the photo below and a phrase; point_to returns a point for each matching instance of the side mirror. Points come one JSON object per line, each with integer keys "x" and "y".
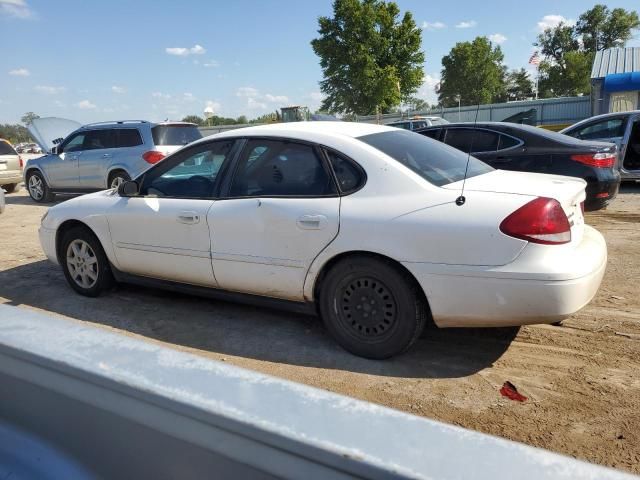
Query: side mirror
{"x": 55, "y": 149}
{"x": 128, "y": 189}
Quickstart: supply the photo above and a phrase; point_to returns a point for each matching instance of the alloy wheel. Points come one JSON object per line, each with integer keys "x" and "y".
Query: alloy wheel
{"x": 36, "y": 187}
{"x": 82, "y": 263}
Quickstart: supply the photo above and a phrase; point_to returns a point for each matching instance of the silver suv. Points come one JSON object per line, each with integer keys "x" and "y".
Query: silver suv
{"x": 82, "y": 159}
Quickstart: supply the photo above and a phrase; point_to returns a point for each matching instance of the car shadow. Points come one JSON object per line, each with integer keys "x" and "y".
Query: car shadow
{"x": 224, "y": 328}
{"x": 630, "y": 187}
{"x": 11, "y": 199}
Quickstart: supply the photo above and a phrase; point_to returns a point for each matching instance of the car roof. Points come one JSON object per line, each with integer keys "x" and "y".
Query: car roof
{"x": 129, "y": 123}
{"x": 602, "y": 116}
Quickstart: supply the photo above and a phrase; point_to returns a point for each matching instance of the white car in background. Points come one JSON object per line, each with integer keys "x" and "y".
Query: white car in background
{"x": 10, "y": 167}
{"x": 364, "y": 223}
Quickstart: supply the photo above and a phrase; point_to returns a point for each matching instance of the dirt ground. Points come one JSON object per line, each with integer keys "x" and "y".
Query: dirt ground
{"x": 582, "y": 379}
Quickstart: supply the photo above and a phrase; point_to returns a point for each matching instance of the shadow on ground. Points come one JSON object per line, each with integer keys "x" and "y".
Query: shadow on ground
{"x": 224, "y": 328}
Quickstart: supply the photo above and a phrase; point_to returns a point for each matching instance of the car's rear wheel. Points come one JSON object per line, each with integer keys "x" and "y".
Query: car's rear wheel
{"x": 38, "y": 188}
{"x": 117, "y": 178}
{"x": 11, "y": 187}
{"x": 84, "y": 262}
{"x": 371, "y": 307}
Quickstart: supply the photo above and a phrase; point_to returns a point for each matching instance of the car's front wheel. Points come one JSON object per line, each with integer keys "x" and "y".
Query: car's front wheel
{"x": 371, "y": 307}
{"x": 84, "y": 262}
{"x": 38, "y": 188}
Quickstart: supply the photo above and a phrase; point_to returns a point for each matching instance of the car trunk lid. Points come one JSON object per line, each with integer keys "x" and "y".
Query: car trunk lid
{"x": 51, "y": 131}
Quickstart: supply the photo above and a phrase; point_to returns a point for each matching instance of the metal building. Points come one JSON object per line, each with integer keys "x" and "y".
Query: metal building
{"x": 615, "y": 80}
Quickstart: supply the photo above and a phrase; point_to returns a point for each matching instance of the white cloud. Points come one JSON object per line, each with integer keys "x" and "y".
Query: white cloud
{"x": 276, "y": 98}
{"x": 49, "y": 90}
{"x": 211, "y": 64}
{"x": 212, "y": 106}
{"x": 316, "y": 96}
{"x": 433, "y": 25}
{"x": 60, "y": 104}
{"x": 552, "y": 21}
{"x": 164, "y": 96}
{"x": 467, "y": 24}
{"x": 85, "y": 105}
{"x": 247, "y": 92}
{"x": 498, "y": 38}
{"x": 188, "y": 97}
{"x": 253, "y": 104}
{"x": 117, "y": 89}
{"x": 15, "y": 8}
{"x": 427, "y": 90}
{"x": 20, "y": 72}
{"x": 183, "y": 51}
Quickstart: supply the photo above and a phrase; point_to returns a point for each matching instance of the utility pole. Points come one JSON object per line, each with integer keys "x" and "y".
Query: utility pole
{"x": 458, "y": 98}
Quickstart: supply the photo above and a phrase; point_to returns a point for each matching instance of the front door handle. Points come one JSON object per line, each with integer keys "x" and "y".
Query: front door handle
{"x": 189, "y": 218}
{"x": 106, "y": 155}
{"x": 311, "y": 222}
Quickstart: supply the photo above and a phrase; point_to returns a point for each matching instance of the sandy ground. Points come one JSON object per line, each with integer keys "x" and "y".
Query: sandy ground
{"x": 582, "y": 379}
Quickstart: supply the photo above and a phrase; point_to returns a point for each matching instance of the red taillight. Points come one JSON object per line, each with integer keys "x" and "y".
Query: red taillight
{"x": 152, "y": 156}
{"x": 21, "y": 162}
{"x": 600, "y": 160}
{"x": 540, "y": 221}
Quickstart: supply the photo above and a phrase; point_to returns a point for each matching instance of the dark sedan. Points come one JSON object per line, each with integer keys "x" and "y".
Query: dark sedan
{"x": 509, "y": 146}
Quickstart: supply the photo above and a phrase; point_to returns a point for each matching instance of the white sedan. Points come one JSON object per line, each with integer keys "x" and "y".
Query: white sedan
{"x": 368, "y": 225}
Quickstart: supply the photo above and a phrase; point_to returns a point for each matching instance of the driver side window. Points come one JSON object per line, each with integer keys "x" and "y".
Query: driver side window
{"x": 194, "y": 176}
{"x": 75, "y": 143}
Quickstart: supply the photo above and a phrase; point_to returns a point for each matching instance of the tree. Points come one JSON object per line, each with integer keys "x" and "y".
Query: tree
{"x": 370, "y": 59}
{"x": 266, "y": 118}
{"x": 474, "y": 71}
{"x": 602, "y": 28}
{"x": 15, "y": 133}
{"x": 194, "y": 119}
{"x": 242, "y": 119}
{"x": 570, "y": 78}
{"x": 518, "y": 85}
{"x": 29, "y": 117}
{"x": 416, "y": 104}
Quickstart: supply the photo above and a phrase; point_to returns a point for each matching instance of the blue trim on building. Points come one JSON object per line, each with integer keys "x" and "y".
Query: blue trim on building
{"x": 622, "y": 82}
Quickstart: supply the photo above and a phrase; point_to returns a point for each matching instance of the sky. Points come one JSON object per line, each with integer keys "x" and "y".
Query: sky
{"x": 158, "y": 59}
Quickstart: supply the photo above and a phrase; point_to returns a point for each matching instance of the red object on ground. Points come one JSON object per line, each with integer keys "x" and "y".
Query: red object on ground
{"x": 510, "y": 391}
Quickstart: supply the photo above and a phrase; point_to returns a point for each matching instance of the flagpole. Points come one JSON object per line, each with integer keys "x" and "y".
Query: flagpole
{"x": 537, "y": 78}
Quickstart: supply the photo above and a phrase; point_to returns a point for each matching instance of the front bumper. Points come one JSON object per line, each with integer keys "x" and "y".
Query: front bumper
{"x": 48, "y": 243}
{"x": 540, "y": 286}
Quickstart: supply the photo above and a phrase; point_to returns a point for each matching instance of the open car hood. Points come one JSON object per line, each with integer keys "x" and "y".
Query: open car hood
{"x": 51, "y": 131}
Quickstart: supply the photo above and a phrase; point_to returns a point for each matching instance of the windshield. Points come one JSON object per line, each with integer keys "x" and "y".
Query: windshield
{"x": 432, "y": 160}
{"x": 175, "y": 134}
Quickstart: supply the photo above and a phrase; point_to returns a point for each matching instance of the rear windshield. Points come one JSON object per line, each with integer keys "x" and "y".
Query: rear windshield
{"x": 175, "y": 134}
{"x": 434, "y": 161}
{"x": 6, "y": 149}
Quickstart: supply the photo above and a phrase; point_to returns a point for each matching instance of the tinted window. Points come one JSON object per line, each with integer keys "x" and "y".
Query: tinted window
{"x": 467, "y": 139}
{"x": 175, "y": 134}
{"x": 350, "y": 177}
{"x": 611, "y": 128}
{"x": 432, "y": 160}
{"x": 193, "y": 177}
{"x": 98, "y": 139}
{"x": 417, "y": 125}
{"x": 438, "y": 121}
{"x": 404, "y": 125}
{"x": 435, "y": 133}
{"x": 75, "y": 143}
{"x": 129, "y": 137}
{"x": 507, "y": 142}
{"x": 280, "y": 168}
{"x": 6, "y": 149}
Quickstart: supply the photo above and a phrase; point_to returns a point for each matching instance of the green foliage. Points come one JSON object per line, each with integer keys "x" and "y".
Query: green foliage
{"x": 29, "y": 117}
{"x": 569, "y": 50}
{"x": 194, "y": 119}
{"x": 518, "y": 85}
{"x": 241, "y": 120}
{"x": 369, "y": 57}
{"x": 473, "y": 70}
{"x": 267, "y": 118}
{"x": 14, "y": 133}
{"x": 415, "y": 104}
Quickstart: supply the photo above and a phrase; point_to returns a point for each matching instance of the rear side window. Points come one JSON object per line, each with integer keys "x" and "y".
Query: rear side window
{"x": 469, "y": 140}
{"x": 433, "y": 161}
{"x": 350, "y": 177}
{"x": 99, "y": 139}
{"x": 417, "y": 125}
{"x": 435, "y": 133}
{"x": 175, "y": 134}
{"x": 507, "y": 142}
{"x": 611, "y": 128}
{"x": 6, "y": 149}
{"x": 129, "y": 137}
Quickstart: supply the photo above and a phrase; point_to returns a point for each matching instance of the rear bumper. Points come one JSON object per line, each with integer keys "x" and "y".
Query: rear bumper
{"x": 10, "y": 177}
{"x": 601, "y": 193}
{"x": 540, "y": 286}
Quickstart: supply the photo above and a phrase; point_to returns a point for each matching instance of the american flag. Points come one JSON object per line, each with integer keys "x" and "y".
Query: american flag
{"x": 535, "y": 59}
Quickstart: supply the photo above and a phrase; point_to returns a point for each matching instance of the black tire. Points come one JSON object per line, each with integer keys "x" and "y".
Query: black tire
{"x": 11, "y": 187}
{"x": 98, "y": 272}
{"x": 371, "y": 307}
{"x": 42, "y": 195}
{"x": 117, "y": 176}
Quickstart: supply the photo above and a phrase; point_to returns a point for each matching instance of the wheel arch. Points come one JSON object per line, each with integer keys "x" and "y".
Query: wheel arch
{"x": 115, "y": 168}
{"x": 67, "y": 225}
{"x": 34, "y": 168}
{"x": 330, "y": 262}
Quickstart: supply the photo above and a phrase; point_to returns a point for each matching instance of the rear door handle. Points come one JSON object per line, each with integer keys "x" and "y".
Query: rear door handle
{"x": 189, "y": 218}
{"x": 311, "y": 222}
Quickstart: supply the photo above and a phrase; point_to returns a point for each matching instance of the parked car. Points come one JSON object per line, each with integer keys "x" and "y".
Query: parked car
{"x": 358, "y": 221}
{"x": 416, "y": 123}
{"x": 93, "y": 157}
{"x": 623, "y": 129}
{"x": 10, "y": 167}
{"x": 509, "y": 146}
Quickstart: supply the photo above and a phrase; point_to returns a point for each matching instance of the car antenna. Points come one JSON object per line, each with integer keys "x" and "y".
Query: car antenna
{"x": 461, "y": 200}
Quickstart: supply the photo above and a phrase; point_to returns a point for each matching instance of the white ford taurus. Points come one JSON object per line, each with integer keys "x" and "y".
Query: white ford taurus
{"x": 363, "y": 223}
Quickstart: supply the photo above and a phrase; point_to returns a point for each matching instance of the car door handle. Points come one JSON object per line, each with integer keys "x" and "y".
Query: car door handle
{"x": 311, "y": 222}
{"x": 189, "y": 218}
{"x": 501, "y": 159}
{"x": 106, "y": 155}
